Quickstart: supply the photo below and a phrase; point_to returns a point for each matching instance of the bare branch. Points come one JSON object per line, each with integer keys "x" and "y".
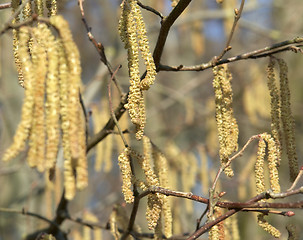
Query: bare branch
{"x": 259, "y": 53}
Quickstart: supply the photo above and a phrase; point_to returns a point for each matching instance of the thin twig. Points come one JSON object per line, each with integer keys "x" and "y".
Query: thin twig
{"x": 165, "y": 27}
{"x": 16, "y": 13}
{"x": 259, "y": 53}
{"x": 111, "y": 106}
{"x": 148, "y": 8}
{"x": 5, "y": 5}
{"x": 300, "y": 174}
{"x": 238, "y": 13}
{"x": 99, "y": 47}
{"x": 28, "y": 213}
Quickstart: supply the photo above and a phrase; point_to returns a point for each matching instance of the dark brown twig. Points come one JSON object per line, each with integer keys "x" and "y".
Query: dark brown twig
{"x": 99, "y": 47}
{"x": 148, "y": 8}
{"x": 165, "y": 27}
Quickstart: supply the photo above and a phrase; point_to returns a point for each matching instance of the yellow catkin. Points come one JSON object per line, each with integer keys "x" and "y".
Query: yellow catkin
{"x": 52, "y": 99}
{"x": 273, "y": 155}
{"x": 231, "y": 228}
{"x": 268, "y": 227}
{"x": 145, "y": 163}
{"x": 214, "y": 233}
{"x": 153, "y": 211}
{"x": 27, "y": 10}
{"x": 15, "y": 5}
{"x": 69, "y": 178}
{"x": 52, "y": 7}
{"x": 154, "y": 201}
{"x": 275, "y": 107}
{"x": 259, "y": 167}
{"x": 158, "y": 230}
{"x": 113, "y": 225}
{"x": 125, "y": 168}
{"x": 97, "y": 233}
{"x": 226, "y": 123}
{"x": 144, "y": 47}
{"x": 133, "y": 33}
{"x": 74, "y": 118}
{"x": 288, "y": 121}
{"x": 23, "y": 130}
{"x": 161, "y": 170}
{"x": 81, "y": 169}
{"x": 37, "y": 144}
{"x": 39, "y": 7}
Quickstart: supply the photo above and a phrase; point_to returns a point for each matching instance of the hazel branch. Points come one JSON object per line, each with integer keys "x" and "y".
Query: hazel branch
{"x": 238, "y": 13}
{"x": 99, "y": 47}
{"x": 288, "y": 45}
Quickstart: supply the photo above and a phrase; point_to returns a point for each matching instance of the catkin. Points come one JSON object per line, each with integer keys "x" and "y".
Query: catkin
{"x": 132, "y": 31}
{"x": 275, "y": 108}
{"x": 268, "y": 227}
{"x": 23, "y": 130}
{"x": 37, "y": 144}
{"x": 226, "y": 123}
{"x": 259, "y": 167}
{"x": 125, "y": 168}
{"x": 74, "y": 141}
{"x": 288, "y": 121}
{"x": 161, "y": 170}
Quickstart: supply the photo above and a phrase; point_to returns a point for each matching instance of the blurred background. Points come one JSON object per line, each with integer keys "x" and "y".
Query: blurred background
{"x": 180, "y": 112}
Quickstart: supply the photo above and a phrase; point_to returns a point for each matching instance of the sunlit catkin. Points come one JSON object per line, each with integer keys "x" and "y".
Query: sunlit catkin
{"x": 133, "y": 34}
{"x": 161, "y": 170}
{"x": 273, "y": 155}
{"x": 37, "y": 144}
{"x": 226, "y": 123}
{"x": 74, "y": 123}
{"x": 259, "y": 167}
{"x": 126, "y": 173}
{"x": 23, "y": 130}
{"x": 15, "y": 5}
{"x": 288, "y": 121}
{"x": 52, "y": 7}
{"x": 275, "y": 107}
{"x": 268, "y": 227}
{"x": 39, "y": 7}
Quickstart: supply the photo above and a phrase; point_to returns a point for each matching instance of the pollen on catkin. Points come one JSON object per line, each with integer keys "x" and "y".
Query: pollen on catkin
{"x": 72, "y": 122}
{"x": 275, "y": 108}
{"x": 37, "y": 144}
{"x": 262, "y": 222}
{"x": 132, "y": 31}
{"x": 259, "y": 167}
{"x": 288, "y": 120}
{"x": 51, "y": 7}
{"x": 161, "y": 170}
{"x": 125, "y": 168}
{"x": 15, "y": 5}
{"x": 273, "y": 154}
{"x": 23, "y": 130}
{"x": 51, "y": 71}
{"x": 226, "y": 122}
